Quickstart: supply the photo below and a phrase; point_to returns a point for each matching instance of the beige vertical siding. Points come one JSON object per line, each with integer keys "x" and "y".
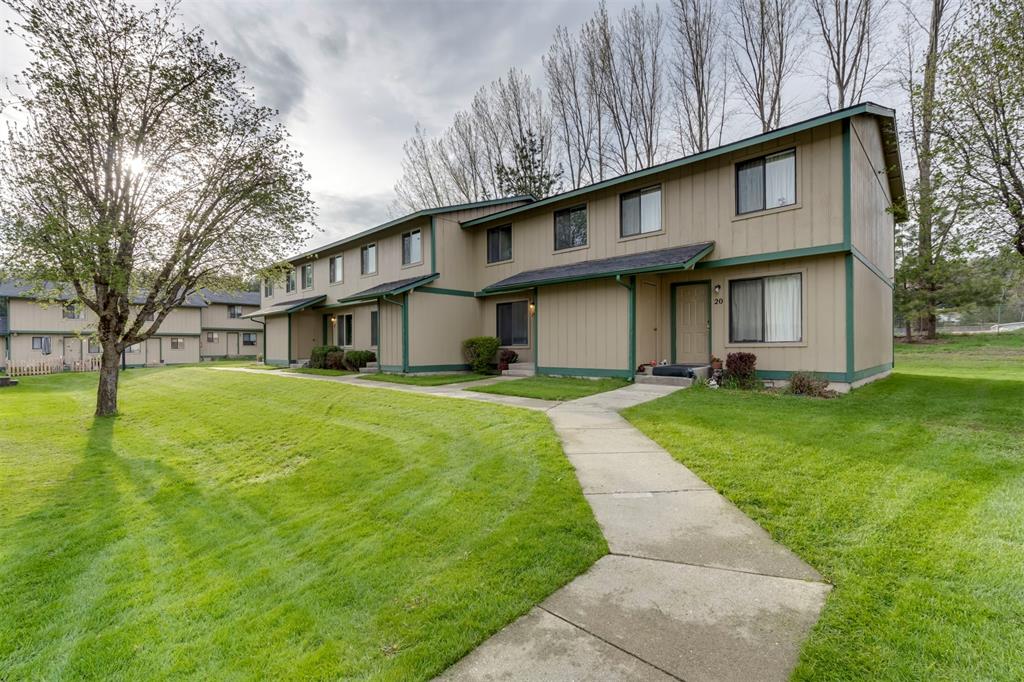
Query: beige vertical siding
{"x": 583, "y": 326}
{"x": 28, "y": 315}
{"x": 872, "y": 223}
{"x": 489, "y": 323}
{"x": 216, "y": 348}
{"x": 307, "y": 332}
{"x": 215, "y": 316}
{"x": 3, "y": 351}
{"x": 277, "y": 339}
{"x": 823, "y": 347}
{"x": 438, "y": 324}
{"x": 872, "y": 299}
{"x": 698, "y": 204}
{"x": 360, "y": 326}
{"x": 189, "y": 353}
{"x": 390, "y": 351}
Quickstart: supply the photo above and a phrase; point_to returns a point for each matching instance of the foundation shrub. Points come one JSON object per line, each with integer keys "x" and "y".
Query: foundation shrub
{"x": 809, "y": 384}
{"x": 506, "y": 357}
{"x": 740, "y": 370}
{"x": 354, "y": 359}
{"x": 334, "y": 360}
{"x": 480, "y": 352}
{"x": 318, "y": 356}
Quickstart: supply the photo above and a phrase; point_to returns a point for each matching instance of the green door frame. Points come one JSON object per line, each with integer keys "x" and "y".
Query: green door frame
{"x": 672, "y": 312}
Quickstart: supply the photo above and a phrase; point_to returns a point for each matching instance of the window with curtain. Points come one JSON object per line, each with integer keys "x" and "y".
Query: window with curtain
{"x": 234, "y": 312}
{"x": 369, "y": 259}
{"x": 766, "y": 309}
{"x": 344, "y": 330}
{"x": 134, "y": 348}
{"x": 640, "y": 211}
{"x": 336, "y": 267}
{"x": 268, "y": 288}
{"x": 289, "y": 282}
{"x": 177, "y": 343}
{"x": 374, "y": 328}
{"x": 513, "y": 323}
{"x": 499, "y": 244}
{"x": 248, "y": 338}
{"x": 94, "y": 347}
{"x": 570, "y": 228}
{"x": 766, "y": 182}
{"x": 307, "y": 276}
{"x": 412, "y": 248}
{"x": 73, "y": 311}
{"x": 212, "y": 337}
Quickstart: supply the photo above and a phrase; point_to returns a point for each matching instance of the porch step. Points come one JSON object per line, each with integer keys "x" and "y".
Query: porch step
{"x": 662, "y": 381}
{"x": 520, "y": 369}
{"x": 371, "y": 368}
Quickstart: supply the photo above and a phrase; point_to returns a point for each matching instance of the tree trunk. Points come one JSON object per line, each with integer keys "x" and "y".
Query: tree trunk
{"x": 931, "y": 326}
{"x": 106, "y": 394}
{"x": 910, "y": 331}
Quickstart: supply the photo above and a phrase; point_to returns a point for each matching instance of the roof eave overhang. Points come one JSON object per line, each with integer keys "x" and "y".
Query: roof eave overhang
{"x": 360, "y": 298}
{"x": 267, "y": 312}
{"x": 668, "y": 267}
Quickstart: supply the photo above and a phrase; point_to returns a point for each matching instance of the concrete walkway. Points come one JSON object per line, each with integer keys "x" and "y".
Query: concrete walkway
{"x": 692, "y": 588}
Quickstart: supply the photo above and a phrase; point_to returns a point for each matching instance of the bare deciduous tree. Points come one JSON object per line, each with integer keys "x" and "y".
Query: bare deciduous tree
{"x": 573, "y": 107}
{"x": 848, "y": 32}
{"x": 143, "y": 169}
{"x": 699, "y": 74}
{"x": 764, "y": 54}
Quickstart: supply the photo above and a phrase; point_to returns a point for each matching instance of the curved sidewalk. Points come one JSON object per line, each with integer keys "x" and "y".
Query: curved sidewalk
{"x": 691, "y": 589}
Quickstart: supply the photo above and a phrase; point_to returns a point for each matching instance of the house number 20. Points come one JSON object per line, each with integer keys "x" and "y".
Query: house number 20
{"x": 719, "y": 301}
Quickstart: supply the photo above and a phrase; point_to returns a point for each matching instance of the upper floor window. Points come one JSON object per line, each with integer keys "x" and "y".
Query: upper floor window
{"x": 412, "y": 248}
{"x": 289, "y": 281}
{"x": 73, "y": 311}
{"x": 307, "y": 276}
{"x": 234, "y": 311}
{"x": 640, "y": 211}
{"x": 268, "y": 288}
{"x": 570, "y": 228}
{"x": 336, "y": 266}
{"x": 765, "y": 309}
{"x": 369, "y": 259}
{"x": 499, "y": 244}
{"x": 766, "y": 182}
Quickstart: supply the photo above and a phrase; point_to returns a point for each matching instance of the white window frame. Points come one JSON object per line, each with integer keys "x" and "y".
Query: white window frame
{"x": 419, "y": 261}
{"x": 763, "y": 159}
{"x": 177, "y": 343}
{"x": 251, "y": 335}
{"x": 340, "y": 332}
{"x": 212, "y": 337}
{"x": 365, "y": 249}
{"x": 497, "y": 323}
{"x": 291, "y": 278}
{"x": 640, "y": 193}
{"x": 801, "y": 341}
{"x": 308, "y": 267}
{"x": 487, "y": 244}
{"x": 336, "y": 269}
{"x": 235, "y": 312}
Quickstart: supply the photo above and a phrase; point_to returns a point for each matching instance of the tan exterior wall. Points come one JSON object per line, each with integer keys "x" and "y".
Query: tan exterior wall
{"x": 583, "y": 326}
{"x": 438, "y": 325}
{"x": 3, "y": 351}
{"x": 872, "y": 319}
{"x": 27, "y": 315}
{"x": 277, "y": 339}
{"x": 361, "y": 325}
{"x": 307, "y": 332}
{"x": 489, "y": 321}
{"x": 215, "y": 317}
{"x": 698, "y": 204}
{"x": 228, "y": 343}
{"x": 823, "y": 344}
{"x": 149, "y": 352}
{"x": 872, "y": 224}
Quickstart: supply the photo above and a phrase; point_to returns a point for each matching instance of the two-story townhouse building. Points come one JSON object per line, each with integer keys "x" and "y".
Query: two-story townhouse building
{"x": 780, "y": 244}
{"x": 226, "y": 331}
{"x": 61, "y": 333}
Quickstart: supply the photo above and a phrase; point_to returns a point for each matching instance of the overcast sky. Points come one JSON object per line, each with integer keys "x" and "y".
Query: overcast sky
{"x": 351, "y": 79}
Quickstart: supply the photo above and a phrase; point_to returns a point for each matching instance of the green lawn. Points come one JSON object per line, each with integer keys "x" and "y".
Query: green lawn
{"x": 425, "y": 379}
{"x": 553, "y": 388}
{"x": 907, "y": 495}
{"x": 320, "y": 372}
{"x": 236, "y": 526}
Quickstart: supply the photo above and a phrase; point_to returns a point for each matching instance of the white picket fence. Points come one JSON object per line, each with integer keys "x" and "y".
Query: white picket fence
{"x": 54, "y": 366}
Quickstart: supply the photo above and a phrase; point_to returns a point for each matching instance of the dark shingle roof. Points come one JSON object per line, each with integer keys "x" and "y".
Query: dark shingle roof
{"x": 231, "y": 297}
{"x": 396, "y": 287}
{"x": 287, "y": 306}
{"x": 675, "y": 258}
{"x": 15, "y": 289}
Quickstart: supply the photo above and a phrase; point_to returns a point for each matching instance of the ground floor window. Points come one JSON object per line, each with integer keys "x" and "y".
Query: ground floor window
{"x": 374, "y": 328}
{"x": 212, "y": 337}
{"x": 41, "y": 343}
{"x": 766, "y": 309}
{"x": 177, "y": 343}
{"x": 94, "y": 346}
{"x": 248, "y": 339}
{"x": 134, "y": 348}
{"x": 344, "y": 330}
{"x": 513, "y": 323}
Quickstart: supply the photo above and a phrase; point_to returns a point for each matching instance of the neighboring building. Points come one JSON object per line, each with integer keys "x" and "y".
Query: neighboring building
{"x": 226, "y": 332}
{"x": 31, "y": 331}
{"x": 780, "y": 245}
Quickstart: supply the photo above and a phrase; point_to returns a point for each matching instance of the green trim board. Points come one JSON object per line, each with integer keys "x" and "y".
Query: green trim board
{"x": 822, "y": 250}
{"x": 840, "y": 115}
{"x": 276, "y": 363}
{"x": 390, "y": 368}
{"x": 405, "y": 332}
{"x": 290, "y": 360}
{"x": 433, "y": 243}
{"x": 847, "y": 186}
{"x": 630, "y": 322}
{"x": 584, "y": 372}
{"x": 871, "y": 371}
{"x": 844, "y": 377}
{"x": 672, "y": 313}
{"x": 536, "y": 324}
{"x": 850, "y": 359}
{"x": 447, "y": 292}
{"x": 872, "y": 267}
{"x": 326, "y": 319}
{"x": 438, "y": 368}
{"x": 617, "y": 274}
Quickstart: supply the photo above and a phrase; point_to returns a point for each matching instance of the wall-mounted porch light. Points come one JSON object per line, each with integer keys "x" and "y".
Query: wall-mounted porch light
{"x": 718, "y": 288}
{"x": 533, "y": 308}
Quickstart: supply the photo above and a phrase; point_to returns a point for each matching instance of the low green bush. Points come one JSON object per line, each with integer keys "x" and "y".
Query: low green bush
{"x": 334, "y": 360}
{"x": 318, "y": 356}
{"x": 354, "y": 359}
{"x": 480, "y": 352}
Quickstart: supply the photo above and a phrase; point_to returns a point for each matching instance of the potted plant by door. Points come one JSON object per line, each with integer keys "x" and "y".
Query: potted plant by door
{"x": 716, "y": 363}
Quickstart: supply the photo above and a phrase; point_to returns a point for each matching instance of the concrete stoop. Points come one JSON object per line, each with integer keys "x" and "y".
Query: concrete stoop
{"x": 371, "y": 368}
{"x": 520, "y": 369}
{"x": 681, "y": 382}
